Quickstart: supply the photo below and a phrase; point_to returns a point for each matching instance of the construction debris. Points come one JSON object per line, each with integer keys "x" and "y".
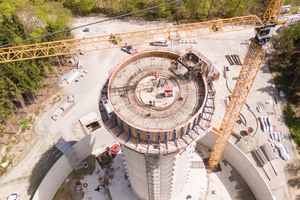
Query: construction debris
{"x": 259, "y": 109}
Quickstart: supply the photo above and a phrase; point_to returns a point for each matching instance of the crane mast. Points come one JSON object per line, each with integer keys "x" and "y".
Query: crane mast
{"x": 250, "y": 68}
{"x": 252, "y": 63}
{"x": 271, "y": 15}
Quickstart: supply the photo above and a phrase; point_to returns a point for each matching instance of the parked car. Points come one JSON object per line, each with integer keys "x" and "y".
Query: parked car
{"x": 54, "y": 117}
{"x": 13, "y": 196}
{"x": 71, "y": 98}
{"x": 160, "y": 43}
{"x": 56, "y": 114}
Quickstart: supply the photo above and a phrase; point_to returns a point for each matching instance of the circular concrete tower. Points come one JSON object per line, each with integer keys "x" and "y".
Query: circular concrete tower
{"x": 161, "y": 103}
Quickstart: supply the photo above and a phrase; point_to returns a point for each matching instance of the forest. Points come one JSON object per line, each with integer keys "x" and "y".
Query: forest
{"x": 285, "y": 65}
{"x": 22, "y": 19}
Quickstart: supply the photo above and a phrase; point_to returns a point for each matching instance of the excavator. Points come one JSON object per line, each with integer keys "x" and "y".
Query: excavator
{"x": 264, "y": 28}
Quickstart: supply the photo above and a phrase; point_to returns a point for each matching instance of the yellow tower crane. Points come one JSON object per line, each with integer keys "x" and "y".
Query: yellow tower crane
{"x": 264, "y": 27}
{"x": 72, "y": 46}
{"x": 251, "y": 65}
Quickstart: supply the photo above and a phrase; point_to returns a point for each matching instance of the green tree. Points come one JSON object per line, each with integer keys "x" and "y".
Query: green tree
{"x": 12, "y": 29}
{"x": 285, "y": 64}
{"x": 8, "y": 93}
{"x": 81, "y": 7}
{"x": 8, "y": 7}
{"x": 57, "y": 24}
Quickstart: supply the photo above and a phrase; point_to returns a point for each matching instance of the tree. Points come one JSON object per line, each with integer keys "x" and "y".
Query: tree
{"x": 12, "y": 29}
{"x": 57, "y": 24}
{"x": 8, "y": 93}
{"x": 81, "y": 7}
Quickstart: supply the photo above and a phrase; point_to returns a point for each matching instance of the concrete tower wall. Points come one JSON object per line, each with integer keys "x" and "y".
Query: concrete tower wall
{"x": 157, "y": 176}
{"x": 166, "y": 175}
{"x": 180, "y": 173}
{"x": 136, "y": 170}
{"x": 158, "y": 139}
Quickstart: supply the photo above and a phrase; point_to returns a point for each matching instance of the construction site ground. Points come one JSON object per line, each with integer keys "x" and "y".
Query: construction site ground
{"x": 226, "y": 184}
{"x": 30, "y": 166}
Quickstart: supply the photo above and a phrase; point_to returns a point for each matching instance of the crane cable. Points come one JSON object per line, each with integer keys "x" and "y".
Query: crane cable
{"x": 108, "y": 19}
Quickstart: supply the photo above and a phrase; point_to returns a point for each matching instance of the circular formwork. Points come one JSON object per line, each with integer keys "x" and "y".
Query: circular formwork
{"x": 154, "y": 101}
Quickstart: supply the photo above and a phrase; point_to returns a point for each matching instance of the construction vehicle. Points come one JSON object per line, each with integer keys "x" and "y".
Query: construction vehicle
{"x": 115, "y": 39}
{"x": 128, "y": 49}
{"x": 264, "y": 27}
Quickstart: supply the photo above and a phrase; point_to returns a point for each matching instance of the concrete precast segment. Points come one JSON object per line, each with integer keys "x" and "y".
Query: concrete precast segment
{"x": 259, "y": 159}
{"x": 261, "y": 155}
{"x": 268, "y": 151}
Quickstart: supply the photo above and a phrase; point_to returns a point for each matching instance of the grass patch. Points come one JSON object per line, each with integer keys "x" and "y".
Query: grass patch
{"x": 24, "y": 122}
{"x": 37, "y": 111}
{"x": 56, "y": 99}
{"x": 13, "y": 141}
{"x": 4, "y": 159}
{"x": 8, "y": 148}
{"x": 30, "y": 119}
{"x": 11, "y": 160}
{"x": 3, "y": 171}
